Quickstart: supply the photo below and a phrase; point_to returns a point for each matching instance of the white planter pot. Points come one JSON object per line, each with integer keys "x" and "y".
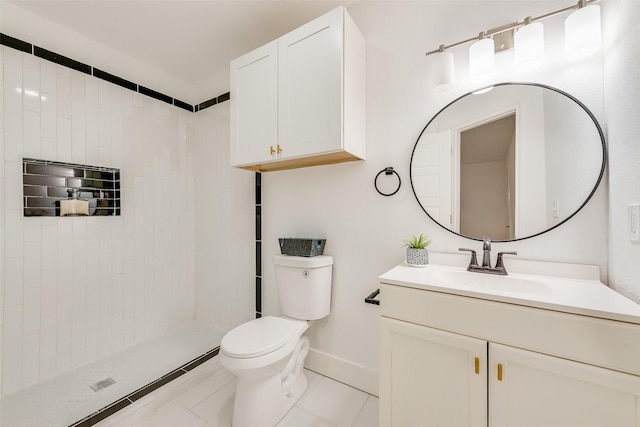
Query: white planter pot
{"x": 417, "y": 257}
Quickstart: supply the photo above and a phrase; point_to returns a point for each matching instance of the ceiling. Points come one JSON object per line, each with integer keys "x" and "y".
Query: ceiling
{"x": 189, "y": 39}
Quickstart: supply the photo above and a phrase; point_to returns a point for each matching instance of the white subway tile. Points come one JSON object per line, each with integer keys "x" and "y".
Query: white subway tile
{"x": 31, "y": 87}
{"x": 49, "y": 247}
{"x": 12, "y": 332}
{"x": 13, "y": 133}
{"x": 92, "y": 145}
{"x": 30, "y": 359}
{"x": 49, "y": 147}
{"x": 48, "y": 76}
{"x": 63, "y": 95}
{"x": 32, "y": 229}
{"x": 91, "y": 102}
{"x": 13, "y": 284}
{"x": 78, "y": 83}
{"x": 49, "y": 293}
{"x": 32, "y": 265}
{"x": 14, "y": 243}
{"x": 12, "y": 88}
{"x": 48, "y": 117}
{"x": 13, "y": 185}
{"x": 63, "y": 355}
{"x": 78, "y": 344}
{"x": 117, "y": 321}
{"x": 48, "y": 336}
{"x": 63, "y": 149}
{"x": 31, "y": 134}
{"x": 31, "y": 312}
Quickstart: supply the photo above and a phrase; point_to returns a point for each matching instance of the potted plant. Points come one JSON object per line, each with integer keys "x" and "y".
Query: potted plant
{"x": 417, "y": 255}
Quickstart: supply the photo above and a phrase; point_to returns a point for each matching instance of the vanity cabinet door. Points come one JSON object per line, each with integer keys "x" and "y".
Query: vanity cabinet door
{"x": 538, "y": 390}
{"x": 431, "y": 378}
{"x": 254, "y": 106}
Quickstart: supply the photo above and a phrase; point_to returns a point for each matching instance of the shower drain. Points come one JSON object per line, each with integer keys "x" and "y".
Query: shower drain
{"x": 102, "y": 384}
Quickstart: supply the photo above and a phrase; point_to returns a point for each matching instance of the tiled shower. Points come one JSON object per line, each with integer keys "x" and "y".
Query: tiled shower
{"x": 81, "y": 289}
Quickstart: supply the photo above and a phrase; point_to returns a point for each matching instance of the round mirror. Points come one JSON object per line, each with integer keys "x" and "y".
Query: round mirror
{"x": 510, "y": 163}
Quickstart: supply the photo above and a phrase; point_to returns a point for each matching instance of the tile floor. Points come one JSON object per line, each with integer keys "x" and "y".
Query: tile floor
{"x": 204, "y": 398}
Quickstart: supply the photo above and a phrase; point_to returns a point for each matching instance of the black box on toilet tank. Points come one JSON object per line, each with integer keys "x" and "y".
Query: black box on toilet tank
{"x": 301, "y": 247}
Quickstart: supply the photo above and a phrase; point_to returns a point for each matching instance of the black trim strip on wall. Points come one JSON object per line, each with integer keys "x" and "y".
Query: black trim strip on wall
{"x": 258, "y": 190}
{"x": 54, "y": 57}
{"x": 114, "y": 407}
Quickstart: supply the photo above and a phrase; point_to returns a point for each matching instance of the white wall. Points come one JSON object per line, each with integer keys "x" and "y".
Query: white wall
{"x": 622, "y": 95}
{"x": 364, "y": 230}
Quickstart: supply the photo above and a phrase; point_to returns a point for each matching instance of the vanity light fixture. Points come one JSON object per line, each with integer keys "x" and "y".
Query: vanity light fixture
{"x": 482, "y": 59}
{"x": 529, "y": 45}
{"x": 582, "y": 37}
{"x": 443, "y": 72}
{"x": 582, "y": 31}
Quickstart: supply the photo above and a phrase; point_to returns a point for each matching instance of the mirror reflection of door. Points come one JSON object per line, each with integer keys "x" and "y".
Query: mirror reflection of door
{"x": 487, "y": 179}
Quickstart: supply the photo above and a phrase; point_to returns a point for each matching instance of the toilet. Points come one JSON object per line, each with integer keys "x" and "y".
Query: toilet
{"x": 267, "y": 354}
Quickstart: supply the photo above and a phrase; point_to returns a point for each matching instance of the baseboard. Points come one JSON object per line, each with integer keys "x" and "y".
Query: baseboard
{"x": 342, "y": 370}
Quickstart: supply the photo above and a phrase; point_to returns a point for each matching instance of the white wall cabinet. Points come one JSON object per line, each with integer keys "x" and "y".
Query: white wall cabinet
{"x": 445, "y": 376}
{"x": 300, "y": 100}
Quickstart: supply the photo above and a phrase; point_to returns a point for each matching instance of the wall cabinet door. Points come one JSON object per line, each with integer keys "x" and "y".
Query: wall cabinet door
{"x": 538, "y": 390}
{"x": 300, "y": 100}
{"x": 254, "y": 106}
{"x": 431, "y": 378}
{"x": 310, "y": 85}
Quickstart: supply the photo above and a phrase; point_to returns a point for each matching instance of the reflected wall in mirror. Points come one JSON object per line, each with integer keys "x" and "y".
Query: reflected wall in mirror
{"x": 509, "y": 163}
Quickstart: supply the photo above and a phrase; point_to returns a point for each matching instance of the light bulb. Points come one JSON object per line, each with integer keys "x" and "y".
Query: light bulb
{"x": 582, "y": 32}
{"x": 481, "y": 60}
{"x": 529, "y": 47}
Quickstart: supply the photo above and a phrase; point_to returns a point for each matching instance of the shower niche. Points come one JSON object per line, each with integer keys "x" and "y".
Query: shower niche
{"x": 46, "y": 185}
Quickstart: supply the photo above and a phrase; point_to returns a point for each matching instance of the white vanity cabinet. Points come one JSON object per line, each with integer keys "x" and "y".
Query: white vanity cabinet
{"x": 300, "y": 100}
{"x": 456, "y": 360}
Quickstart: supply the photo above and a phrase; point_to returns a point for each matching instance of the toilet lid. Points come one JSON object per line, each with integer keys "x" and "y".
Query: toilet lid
{"x": 258, "y": 337}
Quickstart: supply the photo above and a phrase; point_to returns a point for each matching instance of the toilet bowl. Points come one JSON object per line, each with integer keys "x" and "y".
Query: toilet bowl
{"x": 267, "y": 354}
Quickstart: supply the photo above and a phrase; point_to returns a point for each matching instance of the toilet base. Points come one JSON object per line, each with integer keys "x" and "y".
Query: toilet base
{"x": 263, "y": 403}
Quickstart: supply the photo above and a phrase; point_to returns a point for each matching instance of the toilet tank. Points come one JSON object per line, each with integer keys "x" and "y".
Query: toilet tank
{"x": 304, "y": 285}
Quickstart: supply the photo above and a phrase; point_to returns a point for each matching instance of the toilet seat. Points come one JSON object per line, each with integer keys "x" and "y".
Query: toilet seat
{"x": 261, "y": 336}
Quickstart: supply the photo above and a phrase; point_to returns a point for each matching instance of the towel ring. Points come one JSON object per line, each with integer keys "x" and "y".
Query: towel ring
{"x": 387, "y": 171}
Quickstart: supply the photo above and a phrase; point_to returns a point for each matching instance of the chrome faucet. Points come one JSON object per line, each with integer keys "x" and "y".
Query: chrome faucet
{"x": 486, "y": 252}
{"x": 486, "y": 259}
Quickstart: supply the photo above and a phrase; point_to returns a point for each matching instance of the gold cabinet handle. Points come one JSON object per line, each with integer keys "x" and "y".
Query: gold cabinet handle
{"x": 499, "y": 371}
{"x": 477, "y": 365}
{"x": 279, "y": 149}
{"x": 271, "y": 150}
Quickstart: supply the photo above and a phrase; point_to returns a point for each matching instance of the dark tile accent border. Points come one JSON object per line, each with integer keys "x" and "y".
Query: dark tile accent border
{"x": 115, "y": 79}
{"x": 258, "y": 191}
{"x": 111, "y": 409}
{"x": 157, "y": 95}
{"x": 15, "y": 43}
{"x": 183, "y": 105}
{"x": 62, "y": 60}
{"x": 23, "y": 46}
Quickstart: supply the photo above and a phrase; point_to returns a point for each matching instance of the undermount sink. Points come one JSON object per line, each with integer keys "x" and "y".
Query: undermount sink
{"x": 489, "y": 282}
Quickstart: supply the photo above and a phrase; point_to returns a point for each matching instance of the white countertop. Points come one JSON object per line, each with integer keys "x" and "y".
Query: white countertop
{"x": 558, "y": 291}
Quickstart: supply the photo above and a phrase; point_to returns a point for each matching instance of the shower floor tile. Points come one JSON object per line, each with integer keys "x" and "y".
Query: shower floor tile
{"x": 208, "y": 402}
{"x": 67, "y": 398}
